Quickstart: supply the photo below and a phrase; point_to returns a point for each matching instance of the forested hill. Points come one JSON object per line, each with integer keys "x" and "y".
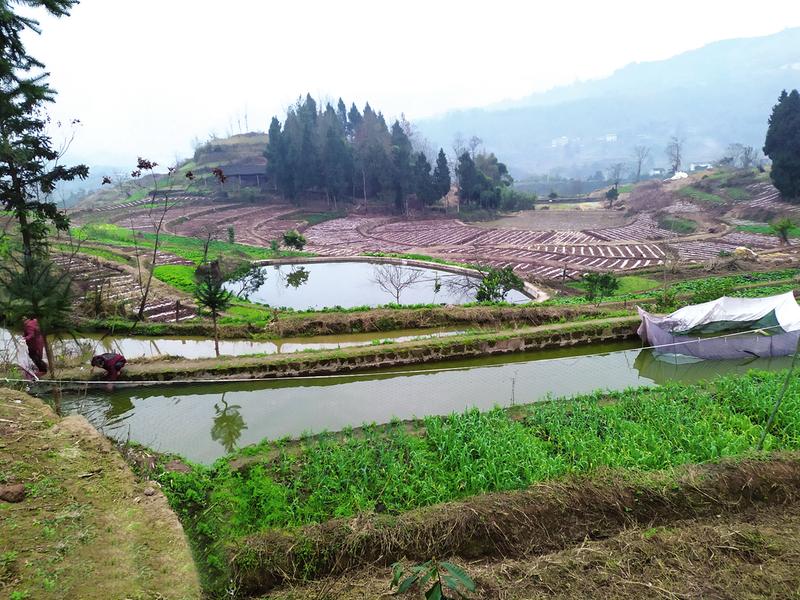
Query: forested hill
{"x": 712, "y": 96}
{"x": 348, "y": 153}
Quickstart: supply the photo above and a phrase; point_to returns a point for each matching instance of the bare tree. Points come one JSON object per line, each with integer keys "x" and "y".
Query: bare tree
{"x": 640, "y": 154}
{"x": 615, "y": 174}
{"x": 747, "y": 157}
{"x": 474, "y": 143}
{"x": 674, "y": 152}
{"x": 394, "y": 279}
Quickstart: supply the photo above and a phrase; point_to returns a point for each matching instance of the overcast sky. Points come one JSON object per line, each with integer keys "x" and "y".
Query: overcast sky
{"x": 145, "y": 77}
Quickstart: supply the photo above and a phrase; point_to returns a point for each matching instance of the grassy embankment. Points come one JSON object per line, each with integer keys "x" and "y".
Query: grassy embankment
{"x": 471, "y": 344}
{"x": 391, "y": 469}
{"x": 85, "y": 528}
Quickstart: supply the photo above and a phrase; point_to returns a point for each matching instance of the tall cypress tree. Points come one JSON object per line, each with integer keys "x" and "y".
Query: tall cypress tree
{"x": 441, "y": 175}
{"x": 782, "y": 145}
{"x": 277, "y": 164}
{"x": 422, "y": 180}
{"x": 341, "y": 112}
{"x": 401, "y": 165}
{"x": 354, "y": 120}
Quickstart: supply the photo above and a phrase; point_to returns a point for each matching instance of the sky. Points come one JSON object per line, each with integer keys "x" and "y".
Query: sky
{"x": 149, "y": 77}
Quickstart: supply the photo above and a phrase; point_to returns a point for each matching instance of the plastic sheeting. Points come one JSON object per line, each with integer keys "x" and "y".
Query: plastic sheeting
{"x": 682, "y": 331}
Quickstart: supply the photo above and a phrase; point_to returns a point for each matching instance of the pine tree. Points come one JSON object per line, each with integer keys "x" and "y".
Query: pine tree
{"x": 277, "y": 167}
{"x": 423, "y": 181}
{"x": 354, "y": 120}
{"x": 341, "y": 113}
{"x": 27, "y": 158}
{"x": 211, "y": 294}
{"x": 782, "y": 145}
{"x": 401, "y": 165}
{"x": 441, "y": 175}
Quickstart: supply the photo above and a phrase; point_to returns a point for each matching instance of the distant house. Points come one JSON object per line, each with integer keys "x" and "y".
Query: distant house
{"x": 559, "y": 142}
{"x": 703, "y": 166}
{"x": 249, "y": 174}
{"x": 658, "y": 172}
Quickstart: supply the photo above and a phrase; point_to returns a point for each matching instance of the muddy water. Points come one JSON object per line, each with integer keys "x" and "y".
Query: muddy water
{"x": 349, "y": 284}
{"x": 197, "y": 347}
{"x": 204, "y": 421}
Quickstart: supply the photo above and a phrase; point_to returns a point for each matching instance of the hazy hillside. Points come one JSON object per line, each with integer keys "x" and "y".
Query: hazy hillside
{"x": 712, "y": 96}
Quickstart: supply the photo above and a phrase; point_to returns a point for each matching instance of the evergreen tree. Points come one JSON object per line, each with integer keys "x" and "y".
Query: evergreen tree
{"x": 277, "y": 167}
{"x": 341, "y": 113}
{"x": 28, "y": 169}
{"x": 211, "y": 294}
{"x": 401, "y": 165}
{"x": 469, "y": 179}
{"x": 441, "y": 175}
{"x": 354, "y": 120}
{"x": 423, "y": 181}
{"x": 782, "y": 145}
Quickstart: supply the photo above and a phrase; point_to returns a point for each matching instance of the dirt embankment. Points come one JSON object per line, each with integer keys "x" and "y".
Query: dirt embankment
{"x": 381, "y": 356}
{"x": 452, "y": 316}
{"x": 644, "y": 518}
{"x": 81, "y": 525}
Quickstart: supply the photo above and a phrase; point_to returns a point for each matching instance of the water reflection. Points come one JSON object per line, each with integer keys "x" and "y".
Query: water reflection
{"x": 203, "y": 421}
{"x": 228, "y": 424}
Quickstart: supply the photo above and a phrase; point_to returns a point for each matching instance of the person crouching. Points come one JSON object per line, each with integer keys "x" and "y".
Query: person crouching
{"x": 111, "y": 362}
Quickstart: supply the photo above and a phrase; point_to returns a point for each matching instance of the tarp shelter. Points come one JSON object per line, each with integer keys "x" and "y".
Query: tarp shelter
{"x": 763, "y": 327}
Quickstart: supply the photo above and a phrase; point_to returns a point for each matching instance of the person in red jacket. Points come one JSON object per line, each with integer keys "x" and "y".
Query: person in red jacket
{"x": 35, "y": 341}
{"x": 111, "y": 362}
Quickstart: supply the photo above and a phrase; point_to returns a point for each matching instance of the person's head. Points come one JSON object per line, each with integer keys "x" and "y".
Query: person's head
{"x": 24, "y": 318}
{"x": 97, "y": 361}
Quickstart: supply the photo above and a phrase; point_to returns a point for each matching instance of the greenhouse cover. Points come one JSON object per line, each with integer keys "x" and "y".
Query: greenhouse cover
{"x": 726, "y": 328}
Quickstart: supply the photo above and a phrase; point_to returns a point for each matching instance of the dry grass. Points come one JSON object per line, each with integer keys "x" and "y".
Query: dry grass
{"x": 753, "y": 554}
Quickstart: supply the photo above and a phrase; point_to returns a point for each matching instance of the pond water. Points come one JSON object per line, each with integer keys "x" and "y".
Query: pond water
{"x": 198, "y": 347}
{"x": 349, "y": 284}
{"x": 204, "y": 421}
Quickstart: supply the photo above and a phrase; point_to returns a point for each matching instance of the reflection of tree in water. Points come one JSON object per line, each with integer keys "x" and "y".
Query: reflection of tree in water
{"x": 296, "y": 277}
{"x": 228, "y": 425}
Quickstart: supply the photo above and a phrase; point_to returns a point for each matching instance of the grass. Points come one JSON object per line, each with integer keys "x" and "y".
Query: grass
{"x": 748, "y": 284}
{"x": 738, "y": 194}
{"x": 178, "y": 276}
{"x": 695, "y": 194}
{"x": 92, "y": 251}
{"x": 84, "y": 529}
{"x": 185, "y": 247}
{"x": 766, "y": 229}
{"x": 393, "y": 468}
{"x": 625, "y": 189}
{"x": 320, "y": 217}
{"x": 677, "y": 224}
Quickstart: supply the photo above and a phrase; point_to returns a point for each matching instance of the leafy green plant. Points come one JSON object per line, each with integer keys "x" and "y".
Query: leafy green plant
{"x": 496, "y": 284}
{"x": 782, "y": 228}
{"x": 442, "y": 575}
{"x": 599, "y": 285}
{"x": 294, "y": 239}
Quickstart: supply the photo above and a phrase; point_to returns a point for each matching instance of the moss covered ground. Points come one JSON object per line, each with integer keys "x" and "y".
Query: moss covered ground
{"x": 86, "y": 529}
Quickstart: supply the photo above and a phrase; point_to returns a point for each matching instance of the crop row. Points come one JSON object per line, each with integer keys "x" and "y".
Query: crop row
{"x": 392, "y": 469}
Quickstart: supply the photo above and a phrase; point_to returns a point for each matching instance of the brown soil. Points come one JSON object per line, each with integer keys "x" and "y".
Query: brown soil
{"x": 560, "y": 218}
{"x": 611, "y": 535}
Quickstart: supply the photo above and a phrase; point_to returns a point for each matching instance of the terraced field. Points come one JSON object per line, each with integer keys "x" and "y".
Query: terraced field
{"x": 534, "y": 253}
{"x": 120, "y": 286}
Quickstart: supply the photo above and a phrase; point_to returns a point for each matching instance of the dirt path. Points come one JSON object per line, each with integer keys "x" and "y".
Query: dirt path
{"x": 86, "y": 527}
{"x": 360, "y": 358}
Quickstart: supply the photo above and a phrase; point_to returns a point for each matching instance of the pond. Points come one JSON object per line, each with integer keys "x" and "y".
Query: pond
{"x": 347, "y": 284}
{"x": 204, "y": 421}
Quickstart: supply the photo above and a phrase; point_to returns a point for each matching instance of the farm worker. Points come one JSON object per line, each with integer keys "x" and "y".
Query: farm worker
{"x": 35, "y": 342}
{"x": 111, "y": 362}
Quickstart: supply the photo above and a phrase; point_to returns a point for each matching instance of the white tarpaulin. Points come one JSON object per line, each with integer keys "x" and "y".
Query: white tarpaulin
{"x": 763, "y": 327}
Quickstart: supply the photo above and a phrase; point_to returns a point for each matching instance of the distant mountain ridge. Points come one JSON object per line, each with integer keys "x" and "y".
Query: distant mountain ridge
{"x": 712, "y": 96}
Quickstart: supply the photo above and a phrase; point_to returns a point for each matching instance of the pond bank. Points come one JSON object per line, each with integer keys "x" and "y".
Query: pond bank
{"x": 353, "y": 359}
{"x": 85, "y": 527}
